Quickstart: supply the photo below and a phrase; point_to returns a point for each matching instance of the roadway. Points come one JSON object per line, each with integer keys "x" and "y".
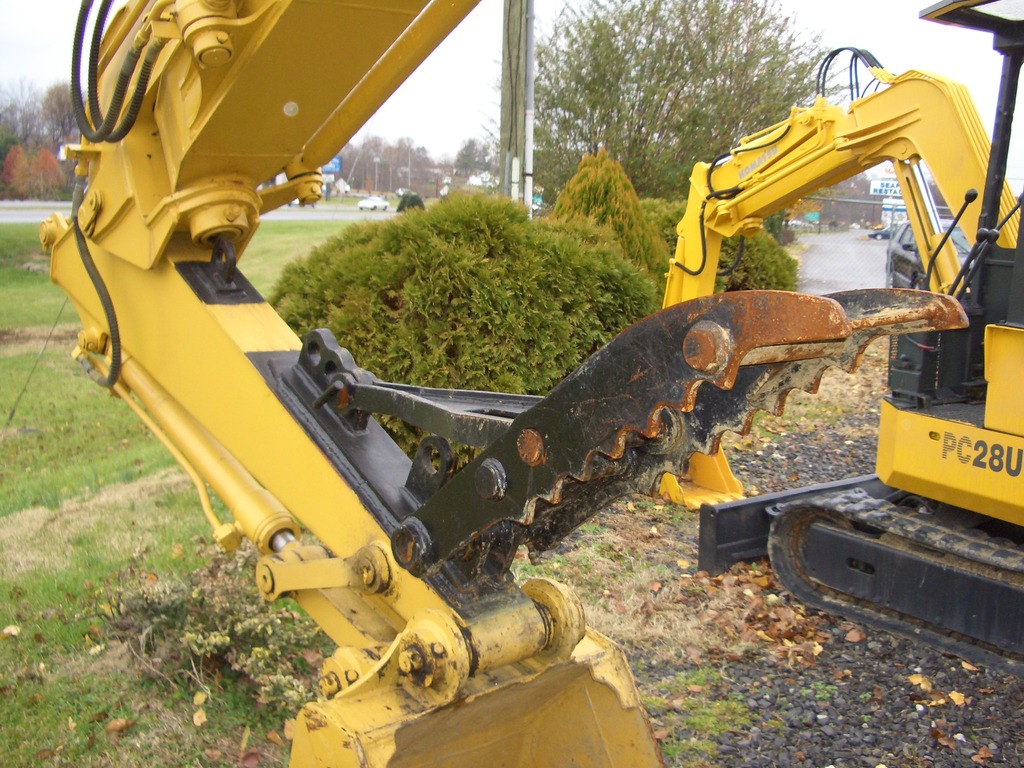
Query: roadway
{"x": 840, "y": 261}
{"x": 35, "y": 211}
{"x": 831, "y": 261}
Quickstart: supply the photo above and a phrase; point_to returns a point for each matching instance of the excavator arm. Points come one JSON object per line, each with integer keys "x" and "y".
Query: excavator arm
{"x": 913, "y": 121}
{"x": 918, "y": 120}
{"x": 443, "y": 659}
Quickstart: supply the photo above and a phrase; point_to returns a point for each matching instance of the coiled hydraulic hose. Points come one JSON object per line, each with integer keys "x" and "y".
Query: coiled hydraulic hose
{"x": 105, "y": 127}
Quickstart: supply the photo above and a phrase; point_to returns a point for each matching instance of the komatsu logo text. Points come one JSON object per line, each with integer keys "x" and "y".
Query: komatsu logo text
{"x": 994, "y": 457}
{"x": 763, "y": 158}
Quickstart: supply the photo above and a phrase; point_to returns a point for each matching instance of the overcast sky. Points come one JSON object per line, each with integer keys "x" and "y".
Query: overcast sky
{"x": 454, "y": 94}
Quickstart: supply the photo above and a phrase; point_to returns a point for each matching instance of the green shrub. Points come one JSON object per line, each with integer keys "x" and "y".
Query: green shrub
{"x": 410, "y": 201}
{"x": 470, "y": 293}
{"x": 664, "y": 216}
{"x": 775, "y": 225}
{"x": 765, "y": 265}
{"x": 601, "y": 191}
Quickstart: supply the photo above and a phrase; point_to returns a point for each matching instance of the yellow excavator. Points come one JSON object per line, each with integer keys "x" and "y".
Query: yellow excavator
{"x": 933, "y": 544}
{"x": 189, "y": 108}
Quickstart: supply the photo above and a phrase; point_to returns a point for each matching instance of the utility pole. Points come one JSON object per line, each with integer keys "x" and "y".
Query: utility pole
{"x": 512, "y": 141}
{"x": 528, "y": 111}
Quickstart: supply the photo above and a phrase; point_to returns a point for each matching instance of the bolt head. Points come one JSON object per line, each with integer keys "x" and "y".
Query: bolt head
{"x": 530, "y": 444}
{"x": 329, "y": 685}
{"x": 367, "y": 573}
{"x": 706, "y": 347}
{"x": 410, "y": 660}
{"x": 490, "y": 480}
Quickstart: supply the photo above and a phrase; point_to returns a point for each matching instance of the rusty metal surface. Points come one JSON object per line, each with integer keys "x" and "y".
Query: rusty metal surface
{"x": 640, "y": 406}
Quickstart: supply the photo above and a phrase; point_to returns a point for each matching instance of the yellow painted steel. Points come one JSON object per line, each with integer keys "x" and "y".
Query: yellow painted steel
{"x": 239, "y": 436}
{"x": 505, "y": 677}
{"x": 916, "y": 119}
{"x": 582, "y": 712}
{"x": 1004, "y": 371}
{"x": 952, "y": 461}
{"x": 709, "y": 480}
{"x": 218, "y": 127}
{"x": 422, "y": 677}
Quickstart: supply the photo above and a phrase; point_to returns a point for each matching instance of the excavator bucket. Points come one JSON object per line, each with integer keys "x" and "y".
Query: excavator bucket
{"x": 505, "y": 719}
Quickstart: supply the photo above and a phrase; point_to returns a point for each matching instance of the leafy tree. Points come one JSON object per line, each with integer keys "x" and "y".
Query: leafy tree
{"x": 47, "y": 179}
{"x": 602, "y": 192}
{"x": 20, "y": 112}
{"x": 16, "y": 173}
{"x": 7, "y": 141}
{"x": 37, "y": 176}
{"x": 399, "y": 164}
{"x": 472, "y": 156}
{"x": 664, "y": 83}
{"x": 58, "y": 119}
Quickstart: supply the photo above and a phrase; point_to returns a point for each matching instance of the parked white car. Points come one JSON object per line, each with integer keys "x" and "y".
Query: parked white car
{"x": 373, "y": 203}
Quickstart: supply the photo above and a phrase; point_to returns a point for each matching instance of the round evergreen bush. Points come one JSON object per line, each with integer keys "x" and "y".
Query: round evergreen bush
{"x": 470, "y": 293}
{"x": 765, "y": 265}
{"x": 410, "y": 201}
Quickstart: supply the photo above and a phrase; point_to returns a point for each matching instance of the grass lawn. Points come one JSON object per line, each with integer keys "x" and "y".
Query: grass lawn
{"x": 91, "y": 503}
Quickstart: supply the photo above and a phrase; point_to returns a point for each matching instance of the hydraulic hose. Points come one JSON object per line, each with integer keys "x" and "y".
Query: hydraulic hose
{"x": 135, "y": 105}
{"x": 114, "y": 372}
{"x": 105, "y": 127}
{"x": 94, "y": 58}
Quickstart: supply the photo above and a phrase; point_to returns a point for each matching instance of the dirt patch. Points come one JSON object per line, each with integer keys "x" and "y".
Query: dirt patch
{"x": 865, "y": 386}
{"x": 22, "y": 341}
{"x": 41, "y": 538}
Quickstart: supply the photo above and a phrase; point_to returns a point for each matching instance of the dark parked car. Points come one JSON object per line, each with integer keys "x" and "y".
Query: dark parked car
{"x": 903, "y": 261}
{"x": 879, "y": 234}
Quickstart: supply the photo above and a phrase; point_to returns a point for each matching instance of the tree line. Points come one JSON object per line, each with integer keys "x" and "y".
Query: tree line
{"x": 34, "y": 124}
{"x": 662, "y": 84}
{"x": 378, "y": 165}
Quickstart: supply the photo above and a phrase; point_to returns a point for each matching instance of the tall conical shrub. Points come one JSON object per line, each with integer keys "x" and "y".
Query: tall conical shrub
{"x": 602, "y": 192}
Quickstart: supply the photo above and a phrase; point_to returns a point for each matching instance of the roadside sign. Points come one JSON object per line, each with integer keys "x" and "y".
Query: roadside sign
{"x": 885, "y": 187}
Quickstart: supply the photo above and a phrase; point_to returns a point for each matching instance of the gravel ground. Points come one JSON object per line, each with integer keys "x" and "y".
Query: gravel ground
{"x": 883, "y": 700}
